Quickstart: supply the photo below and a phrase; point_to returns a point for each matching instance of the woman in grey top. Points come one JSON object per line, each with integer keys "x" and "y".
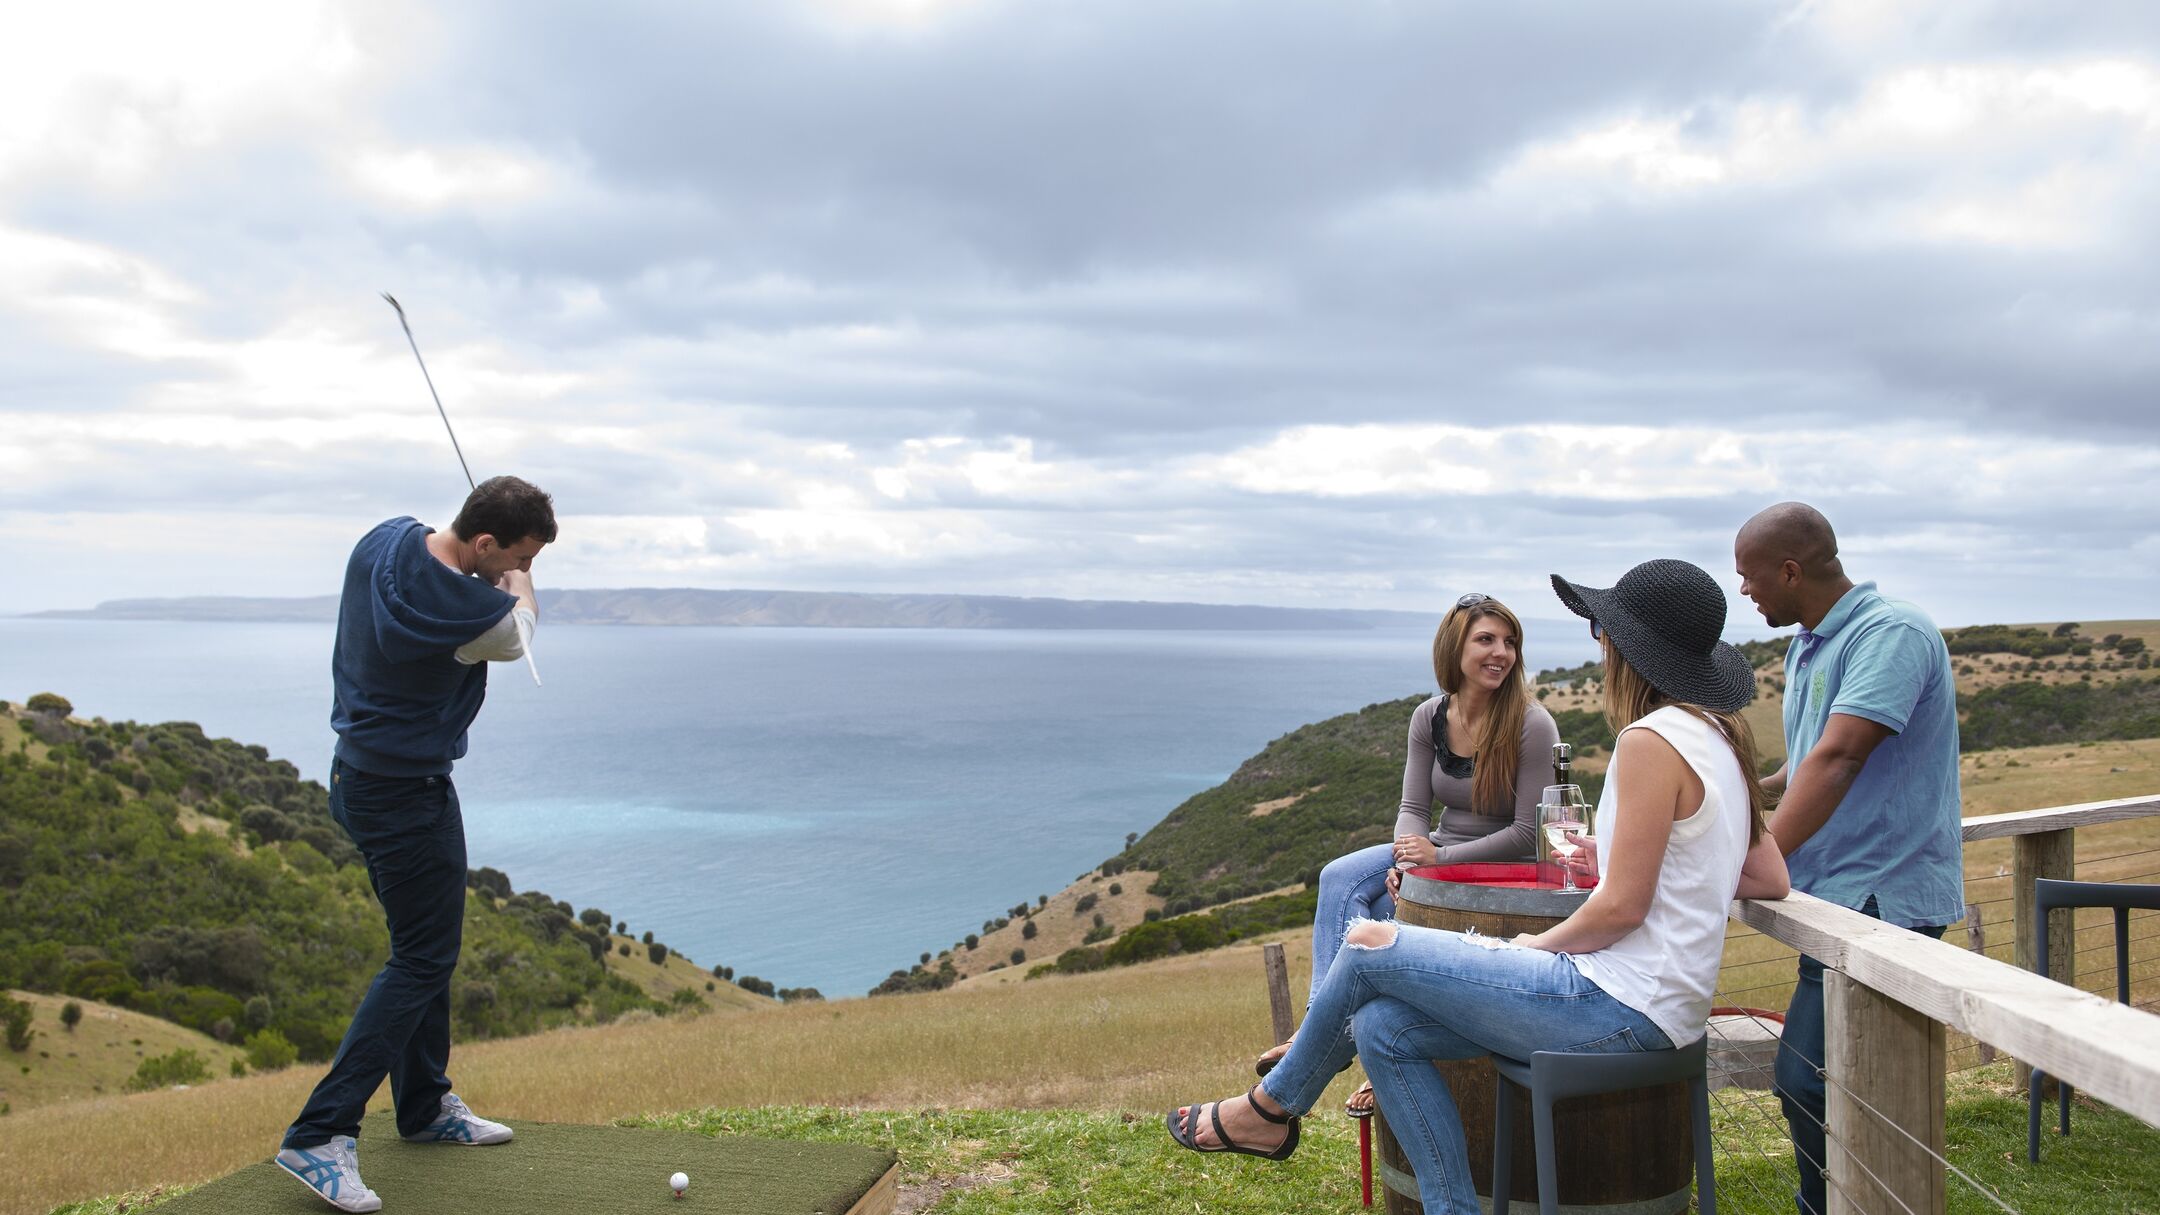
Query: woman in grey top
{"x": 1481, "y": 751}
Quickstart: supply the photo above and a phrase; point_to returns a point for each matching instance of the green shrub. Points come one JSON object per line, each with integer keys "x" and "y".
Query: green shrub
{"x": 1586, "y": 729}
{"x": 70, "y": 1016}
{"x": 268, "y": 1050}
{"x": 50, "y": 704}
{"x": 15, "y": 1016}
{"x": 2032, "y": 714}
{"x": 182, "y": 1066}
{"x": 2006, "y": 639}
{"x": 655, "y": 951}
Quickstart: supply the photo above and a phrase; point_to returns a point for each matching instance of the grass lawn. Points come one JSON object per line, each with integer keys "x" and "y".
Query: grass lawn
{"x": 1005, "y": 1162}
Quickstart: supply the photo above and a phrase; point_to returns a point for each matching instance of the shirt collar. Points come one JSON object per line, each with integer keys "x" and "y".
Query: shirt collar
{"x": 1840, "y": 612}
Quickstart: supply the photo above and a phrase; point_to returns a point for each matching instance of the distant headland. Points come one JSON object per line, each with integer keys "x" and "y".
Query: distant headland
{"x": 802, "y": 609}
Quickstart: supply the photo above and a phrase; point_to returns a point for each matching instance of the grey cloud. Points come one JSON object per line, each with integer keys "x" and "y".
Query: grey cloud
{"x": 1132, "y": 232}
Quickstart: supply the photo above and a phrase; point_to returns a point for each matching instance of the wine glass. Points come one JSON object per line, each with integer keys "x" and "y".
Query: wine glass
{"x": 1561, "y": 813}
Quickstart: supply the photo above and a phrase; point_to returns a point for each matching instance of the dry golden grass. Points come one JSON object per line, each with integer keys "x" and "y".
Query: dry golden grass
{"x": 1142, "y": 1039}
{"x": 98, "y": 1056}
{"x": 1263, "y": 809}
{"x": 2020, "y": 778}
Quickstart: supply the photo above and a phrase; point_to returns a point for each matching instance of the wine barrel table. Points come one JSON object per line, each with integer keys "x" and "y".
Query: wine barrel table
{"x": 1626, "y": 1153}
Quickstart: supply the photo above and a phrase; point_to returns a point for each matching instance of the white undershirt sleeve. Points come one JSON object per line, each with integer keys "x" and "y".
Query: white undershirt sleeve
{"x": 503, "y": 643}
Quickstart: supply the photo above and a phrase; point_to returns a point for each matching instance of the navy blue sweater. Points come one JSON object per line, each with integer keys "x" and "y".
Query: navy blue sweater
{"x": 400, "y": 699}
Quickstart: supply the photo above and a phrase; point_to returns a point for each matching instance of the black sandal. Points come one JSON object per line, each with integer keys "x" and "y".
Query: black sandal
{"x": 1185, "y": 1138}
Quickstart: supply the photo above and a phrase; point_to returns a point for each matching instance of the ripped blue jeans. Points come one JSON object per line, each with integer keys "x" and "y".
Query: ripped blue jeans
{"x": 1433, "y": 994}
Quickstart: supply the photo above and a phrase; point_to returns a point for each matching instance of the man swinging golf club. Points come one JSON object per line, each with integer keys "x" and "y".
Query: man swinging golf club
{"x": 423, "y": 613}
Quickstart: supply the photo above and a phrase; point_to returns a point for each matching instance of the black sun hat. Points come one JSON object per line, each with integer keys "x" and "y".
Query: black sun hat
{"x": 1664, "y": 617}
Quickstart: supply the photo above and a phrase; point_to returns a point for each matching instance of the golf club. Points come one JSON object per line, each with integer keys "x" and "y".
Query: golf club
{"x": 406, "y": 325}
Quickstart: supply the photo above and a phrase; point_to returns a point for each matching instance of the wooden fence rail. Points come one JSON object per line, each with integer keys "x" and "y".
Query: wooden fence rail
{"x": 1894, "y": 992}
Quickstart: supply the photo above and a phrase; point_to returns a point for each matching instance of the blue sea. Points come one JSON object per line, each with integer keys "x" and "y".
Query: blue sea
{"x": 813, "y": 806}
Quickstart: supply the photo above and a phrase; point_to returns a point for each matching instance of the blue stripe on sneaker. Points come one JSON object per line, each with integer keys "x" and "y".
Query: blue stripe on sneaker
{"x": 321, "y": 1175}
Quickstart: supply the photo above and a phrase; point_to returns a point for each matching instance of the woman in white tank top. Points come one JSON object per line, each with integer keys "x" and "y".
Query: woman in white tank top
{"x": 1680, "y": 830}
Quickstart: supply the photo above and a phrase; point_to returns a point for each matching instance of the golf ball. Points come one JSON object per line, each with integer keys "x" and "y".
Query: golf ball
{"x": 678, "y": 1183}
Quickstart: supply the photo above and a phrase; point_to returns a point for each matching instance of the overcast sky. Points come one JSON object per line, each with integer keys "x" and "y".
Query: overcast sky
{"x": 1336, "y": 303}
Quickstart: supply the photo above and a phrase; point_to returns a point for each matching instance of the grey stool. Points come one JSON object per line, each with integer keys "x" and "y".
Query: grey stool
{"x": 1556, "y": 1075}
{"x": 2048, "y": 895}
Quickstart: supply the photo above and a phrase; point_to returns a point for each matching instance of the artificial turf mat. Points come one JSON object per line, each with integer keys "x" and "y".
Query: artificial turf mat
{"x": 558, "y": 1167}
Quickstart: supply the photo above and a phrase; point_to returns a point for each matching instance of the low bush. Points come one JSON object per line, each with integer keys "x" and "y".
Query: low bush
{"x": 182, "y": 1066}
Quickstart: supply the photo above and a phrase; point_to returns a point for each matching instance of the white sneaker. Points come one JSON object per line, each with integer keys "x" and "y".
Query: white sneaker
{"x": 460, "y": 1125}
{"x": 333, "y": 1172}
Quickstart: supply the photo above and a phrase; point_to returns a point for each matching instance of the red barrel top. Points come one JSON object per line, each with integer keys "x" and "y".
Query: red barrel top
{"x": 1516, "y": 876}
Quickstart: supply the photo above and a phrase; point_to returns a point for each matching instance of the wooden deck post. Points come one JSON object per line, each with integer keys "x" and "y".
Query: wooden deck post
{"x": 1892, "y": 1058}
{"x": 2044, "y": 854}
{"x": 1278, "y": 991}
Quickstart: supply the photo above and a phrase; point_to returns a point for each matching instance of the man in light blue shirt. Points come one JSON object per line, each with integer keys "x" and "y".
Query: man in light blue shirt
{"x": 1869, "y": 817}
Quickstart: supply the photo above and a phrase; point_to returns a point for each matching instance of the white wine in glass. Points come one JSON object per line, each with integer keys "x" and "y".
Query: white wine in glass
{"x": 1561, "y": 814}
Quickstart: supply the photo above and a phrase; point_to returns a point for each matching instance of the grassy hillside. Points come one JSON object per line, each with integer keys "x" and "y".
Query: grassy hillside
{"x": 629, "y": 958}
{"x": 197, "y": 880}
{"x": 98, "y": 1056}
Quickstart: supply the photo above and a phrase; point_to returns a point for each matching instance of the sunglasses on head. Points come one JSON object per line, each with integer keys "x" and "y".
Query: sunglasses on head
{"x": 1471, "y": 600}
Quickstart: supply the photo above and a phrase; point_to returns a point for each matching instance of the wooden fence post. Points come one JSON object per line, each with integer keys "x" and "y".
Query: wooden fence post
{"x": 2044, "y": 854}
{"x": 1891, "y": 1057}
{"x": 1278, "y": 991}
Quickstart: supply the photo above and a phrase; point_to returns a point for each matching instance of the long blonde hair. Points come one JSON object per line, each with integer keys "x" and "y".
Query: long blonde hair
{"x": 1629, "y": 698}
{"x": 1497, "y": 750}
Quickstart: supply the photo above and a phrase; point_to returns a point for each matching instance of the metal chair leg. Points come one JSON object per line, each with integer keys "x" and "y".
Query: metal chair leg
{"x": 1503, "y": 1152}
{"x": 1548, "y": 1160}
{"x": 1705, "y": 1168}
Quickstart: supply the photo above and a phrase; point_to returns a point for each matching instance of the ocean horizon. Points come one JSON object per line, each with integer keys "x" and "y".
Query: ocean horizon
{"x": 813, "y": 806}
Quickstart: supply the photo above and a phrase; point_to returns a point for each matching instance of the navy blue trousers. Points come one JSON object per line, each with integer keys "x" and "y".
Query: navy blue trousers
{"x": 1798, "y": 1072}
{"x": 413, "y": 838}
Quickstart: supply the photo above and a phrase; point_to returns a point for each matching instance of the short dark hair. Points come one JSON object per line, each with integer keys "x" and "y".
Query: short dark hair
{"x": 507, "y": 508}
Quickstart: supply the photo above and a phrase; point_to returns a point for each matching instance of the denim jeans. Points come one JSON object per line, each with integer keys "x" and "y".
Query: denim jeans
{"x": 1351, "y": 887}
{"x": 1434, "y": 994}
{"x": 413, "y": 838}
{"x": 1798, "y": 1074}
